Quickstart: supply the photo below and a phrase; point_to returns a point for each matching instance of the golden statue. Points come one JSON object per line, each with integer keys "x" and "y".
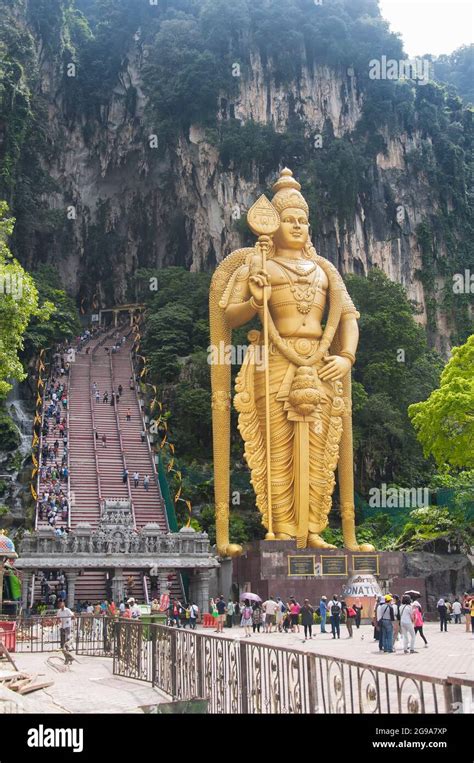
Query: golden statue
{"x": 293, "y": 391}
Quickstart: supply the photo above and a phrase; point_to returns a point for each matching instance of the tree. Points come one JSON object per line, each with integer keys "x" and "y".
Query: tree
{"x": 18, "y": 303}
{"x": 444, "y": 423}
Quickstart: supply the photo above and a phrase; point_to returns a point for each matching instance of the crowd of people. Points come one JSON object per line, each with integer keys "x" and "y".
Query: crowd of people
{"x": 52, "y": 504}
{"x": 392, "y": 616}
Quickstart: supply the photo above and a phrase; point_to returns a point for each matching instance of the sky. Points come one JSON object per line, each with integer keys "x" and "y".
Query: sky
{"x": 430, "y": 26}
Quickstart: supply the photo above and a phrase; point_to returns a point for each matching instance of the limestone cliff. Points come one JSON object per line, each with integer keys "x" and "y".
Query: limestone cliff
{"x": 117, "y": 199}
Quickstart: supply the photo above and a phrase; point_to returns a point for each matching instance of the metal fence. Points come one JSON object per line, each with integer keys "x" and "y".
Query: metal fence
{"x": 239, "y": 676}
{"x": 89, "y": 635}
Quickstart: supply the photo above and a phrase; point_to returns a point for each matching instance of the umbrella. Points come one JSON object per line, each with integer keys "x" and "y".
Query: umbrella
{"x": 250, "y": 596}
{"x": 412, "y": 593}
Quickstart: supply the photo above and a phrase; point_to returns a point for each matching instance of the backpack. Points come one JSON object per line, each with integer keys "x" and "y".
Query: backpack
{"x": 335, "y": 609}
{"x": 351, "y": 612}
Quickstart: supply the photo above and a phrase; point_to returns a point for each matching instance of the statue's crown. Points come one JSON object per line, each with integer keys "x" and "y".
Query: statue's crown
{"x": 287, "y": 193}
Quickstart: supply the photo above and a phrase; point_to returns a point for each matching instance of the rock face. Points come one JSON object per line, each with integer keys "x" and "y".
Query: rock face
{"x": 121, "y": 205}
{"x": 444, "y": 575}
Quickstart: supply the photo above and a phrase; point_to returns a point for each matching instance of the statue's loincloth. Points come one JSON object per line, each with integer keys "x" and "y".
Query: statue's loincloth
{"x": 305, "y": 429}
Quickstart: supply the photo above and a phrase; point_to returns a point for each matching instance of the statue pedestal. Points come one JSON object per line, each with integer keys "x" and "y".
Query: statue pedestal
{"x": 278, "y": 568}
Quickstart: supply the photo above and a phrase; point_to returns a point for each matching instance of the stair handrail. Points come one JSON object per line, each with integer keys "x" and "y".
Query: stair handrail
{"x": 69, "y": 377}
{"x": 147, "y": 440}
{"x": 94, "y": 432}
{"x": 119, "y": 432}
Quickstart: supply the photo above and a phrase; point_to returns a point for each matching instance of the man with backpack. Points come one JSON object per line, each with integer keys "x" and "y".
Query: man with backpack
{"x": 385, "y": 620}
{"x": 193, "y": 615}
{"x": 335, "y": 609}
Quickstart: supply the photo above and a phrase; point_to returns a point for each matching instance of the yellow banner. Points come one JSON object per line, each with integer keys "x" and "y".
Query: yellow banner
{"x": 34, "y": 493}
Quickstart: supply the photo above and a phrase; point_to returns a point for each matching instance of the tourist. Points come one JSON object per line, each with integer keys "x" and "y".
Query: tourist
{"x": 131, "y": 385}
{"x": 236, "y": 613}
{"x": 120, "y": 390}
{"x": 257, "y": 617}
{"x": 129, "y": 414}
{"x": 280, "y": 613}
{"x": 457, "y": 610}
{"x": 127, "y": 613}
{"x": 175, "y": 612}
{"x": 136, "y": 478}
{"x": 418, "y": 621}
{"x": 122, "y": 607}
{"x": 221, "y": 612}
{"x": 65, "y": 616}
{"x": 471, "y": 613}
{"x": 385, "y": 618}
{"x": 97, "y": 396}
{"x": 125, "y": 476}
{"x": 306, "y": 613}
{"x": 193, "y": 615}
{"x": 143, "y": 435}
{"x": 230, "y": 613}
{"x": 246, "y": 621}
{"x": 294, "y": 609}
{"x": 466, "y": 607}
{"x": 335, "y": 609}
{"x": 358, "y": 610}
{"x": 270, "y": 607}
{"x": 104, "y": 440}
{"x": 105, "y": 399}
{"x": 396, "y": 622}
{"x": 443, "y": 615}
{"x": 406, "y": 616}
{"x": 350, "y": 617}
{"x": 323, "y": 611}
{"x": 146, "y": 481}
{"x": 183, "y": 614}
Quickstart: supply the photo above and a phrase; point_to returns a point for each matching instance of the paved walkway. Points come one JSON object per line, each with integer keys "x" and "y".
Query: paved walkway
{"x": 89, "y": 686}
{"x": 447, "y": 654}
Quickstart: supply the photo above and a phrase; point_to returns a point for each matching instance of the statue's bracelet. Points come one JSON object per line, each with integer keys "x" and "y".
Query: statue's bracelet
{"x": 349, "y": 355}
{"x": 256, "y": 306}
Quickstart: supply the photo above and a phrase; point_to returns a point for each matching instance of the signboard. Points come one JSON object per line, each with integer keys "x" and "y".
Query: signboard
{"x": 334, "y": 565}
{"x": 95, "y": 318}
{"x": 300, "y": 565}
{"x": 366, "y": 564}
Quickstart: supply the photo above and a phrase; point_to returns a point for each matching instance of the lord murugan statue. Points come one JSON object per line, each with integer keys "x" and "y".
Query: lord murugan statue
{"x": 293, "y": 391}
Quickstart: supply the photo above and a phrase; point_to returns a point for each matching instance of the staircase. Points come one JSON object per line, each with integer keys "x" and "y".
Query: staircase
{"x": 148, "y": 504}
{"x": 96, "y": 472}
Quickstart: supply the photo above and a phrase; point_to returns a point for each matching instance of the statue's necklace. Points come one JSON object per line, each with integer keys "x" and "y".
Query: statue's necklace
{"x": 304, "y": 286}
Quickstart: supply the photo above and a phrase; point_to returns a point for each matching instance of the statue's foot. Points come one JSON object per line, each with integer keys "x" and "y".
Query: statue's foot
{"x": 359, "y": 546}
{"x": 283, "y": 536}
{"x": 232, "y": 550}
{"x": 315, "y": 541}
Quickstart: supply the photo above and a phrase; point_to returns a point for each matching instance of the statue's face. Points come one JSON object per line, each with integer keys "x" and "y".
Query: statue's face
{"x": 294, "y": 229}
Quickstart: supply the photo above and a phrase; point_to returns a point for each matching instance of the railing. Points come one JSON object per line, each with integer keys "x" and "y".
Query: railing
{"x": 90, "y": 634}
{"x": 119, "y": 432}
{"x": 239, "y": 676}
{"x": 94, "y": 430}
{"x": 147, "y": 440}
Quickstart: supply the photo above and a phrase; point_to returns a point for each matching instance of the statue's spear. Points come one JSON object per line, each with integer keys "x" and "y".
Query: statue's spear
{"x": 264, "y": 221}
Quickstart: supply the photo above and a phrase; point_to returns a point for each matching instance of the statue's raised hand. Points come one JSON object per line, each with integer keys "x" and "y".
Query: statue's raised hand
{"x": 259, "y": 279}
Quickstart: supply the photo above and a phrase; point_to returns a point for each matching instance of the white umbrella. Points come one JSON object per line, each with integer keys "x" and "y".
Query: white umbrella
{"x": 250, "y": 597}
